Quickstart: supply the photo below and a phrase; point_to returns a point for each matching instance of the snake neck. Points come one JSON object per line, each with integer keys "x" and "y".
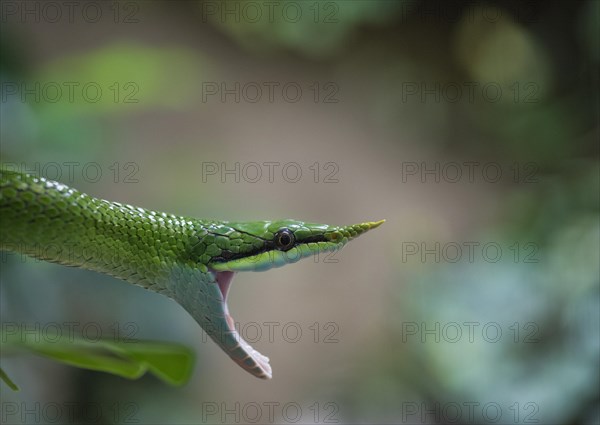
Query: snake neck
{"x": 53, "y": 222}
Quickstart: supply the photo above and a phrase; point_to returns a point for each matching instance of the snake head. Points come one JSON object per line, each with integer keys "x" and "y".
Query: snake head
{"x": 228, "y": 247}
{"x": 268, "y": 244}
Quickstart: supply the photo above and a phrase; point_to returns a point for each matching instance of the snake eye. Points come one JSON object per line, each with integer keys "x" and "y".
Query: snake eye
{"x": 284, "y": 239}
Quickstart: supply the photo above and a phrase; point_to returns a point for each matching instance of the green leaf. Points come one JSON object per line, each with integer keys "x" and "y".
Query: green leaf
{"x": 171, "y": 365}
{"x": 170, "y": 362}
{"x": 8, "y": 381}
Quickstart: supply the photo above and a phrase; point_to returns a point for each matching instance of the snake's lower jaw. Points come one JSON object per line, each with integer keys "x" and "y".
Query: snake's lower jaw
{"x": 241, "y": 352}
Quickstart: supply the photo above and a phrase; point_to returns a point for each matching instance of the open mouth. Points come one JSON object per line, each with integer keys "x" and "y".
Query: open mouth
{"x": 231, "y": 341}
{"x": 224, "y": 268}
{"x": 243, "y": 354}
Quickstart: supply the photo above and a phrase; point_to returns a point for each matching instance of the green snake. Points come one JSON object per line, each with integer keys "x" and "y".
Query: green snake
{"x": 189, "y": 260}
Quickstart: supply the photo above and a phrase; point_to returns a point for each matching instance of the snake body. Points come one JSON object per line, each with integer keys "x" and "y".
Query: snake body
{"x": 189, "y": 260}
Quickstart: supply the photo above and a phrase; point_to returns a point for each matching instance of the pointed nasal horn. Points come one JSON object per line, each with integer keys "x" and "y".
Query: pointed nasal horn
{"x": 352, "y": 231}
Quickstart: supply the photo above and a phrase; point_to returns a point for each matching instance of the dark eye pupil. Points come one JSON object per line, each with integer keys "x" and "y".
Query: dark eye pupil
{"x": 285, "y": 239}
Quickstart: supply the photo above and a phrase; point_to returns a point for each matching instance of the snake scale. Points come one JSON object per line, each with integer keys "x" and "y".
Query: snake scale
{"x": 189, "y": 260}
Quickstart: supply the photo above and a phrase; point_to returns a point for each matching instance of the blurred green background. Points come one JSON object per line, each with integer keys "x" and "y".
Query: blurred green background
{"x": 388, "y": 100}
